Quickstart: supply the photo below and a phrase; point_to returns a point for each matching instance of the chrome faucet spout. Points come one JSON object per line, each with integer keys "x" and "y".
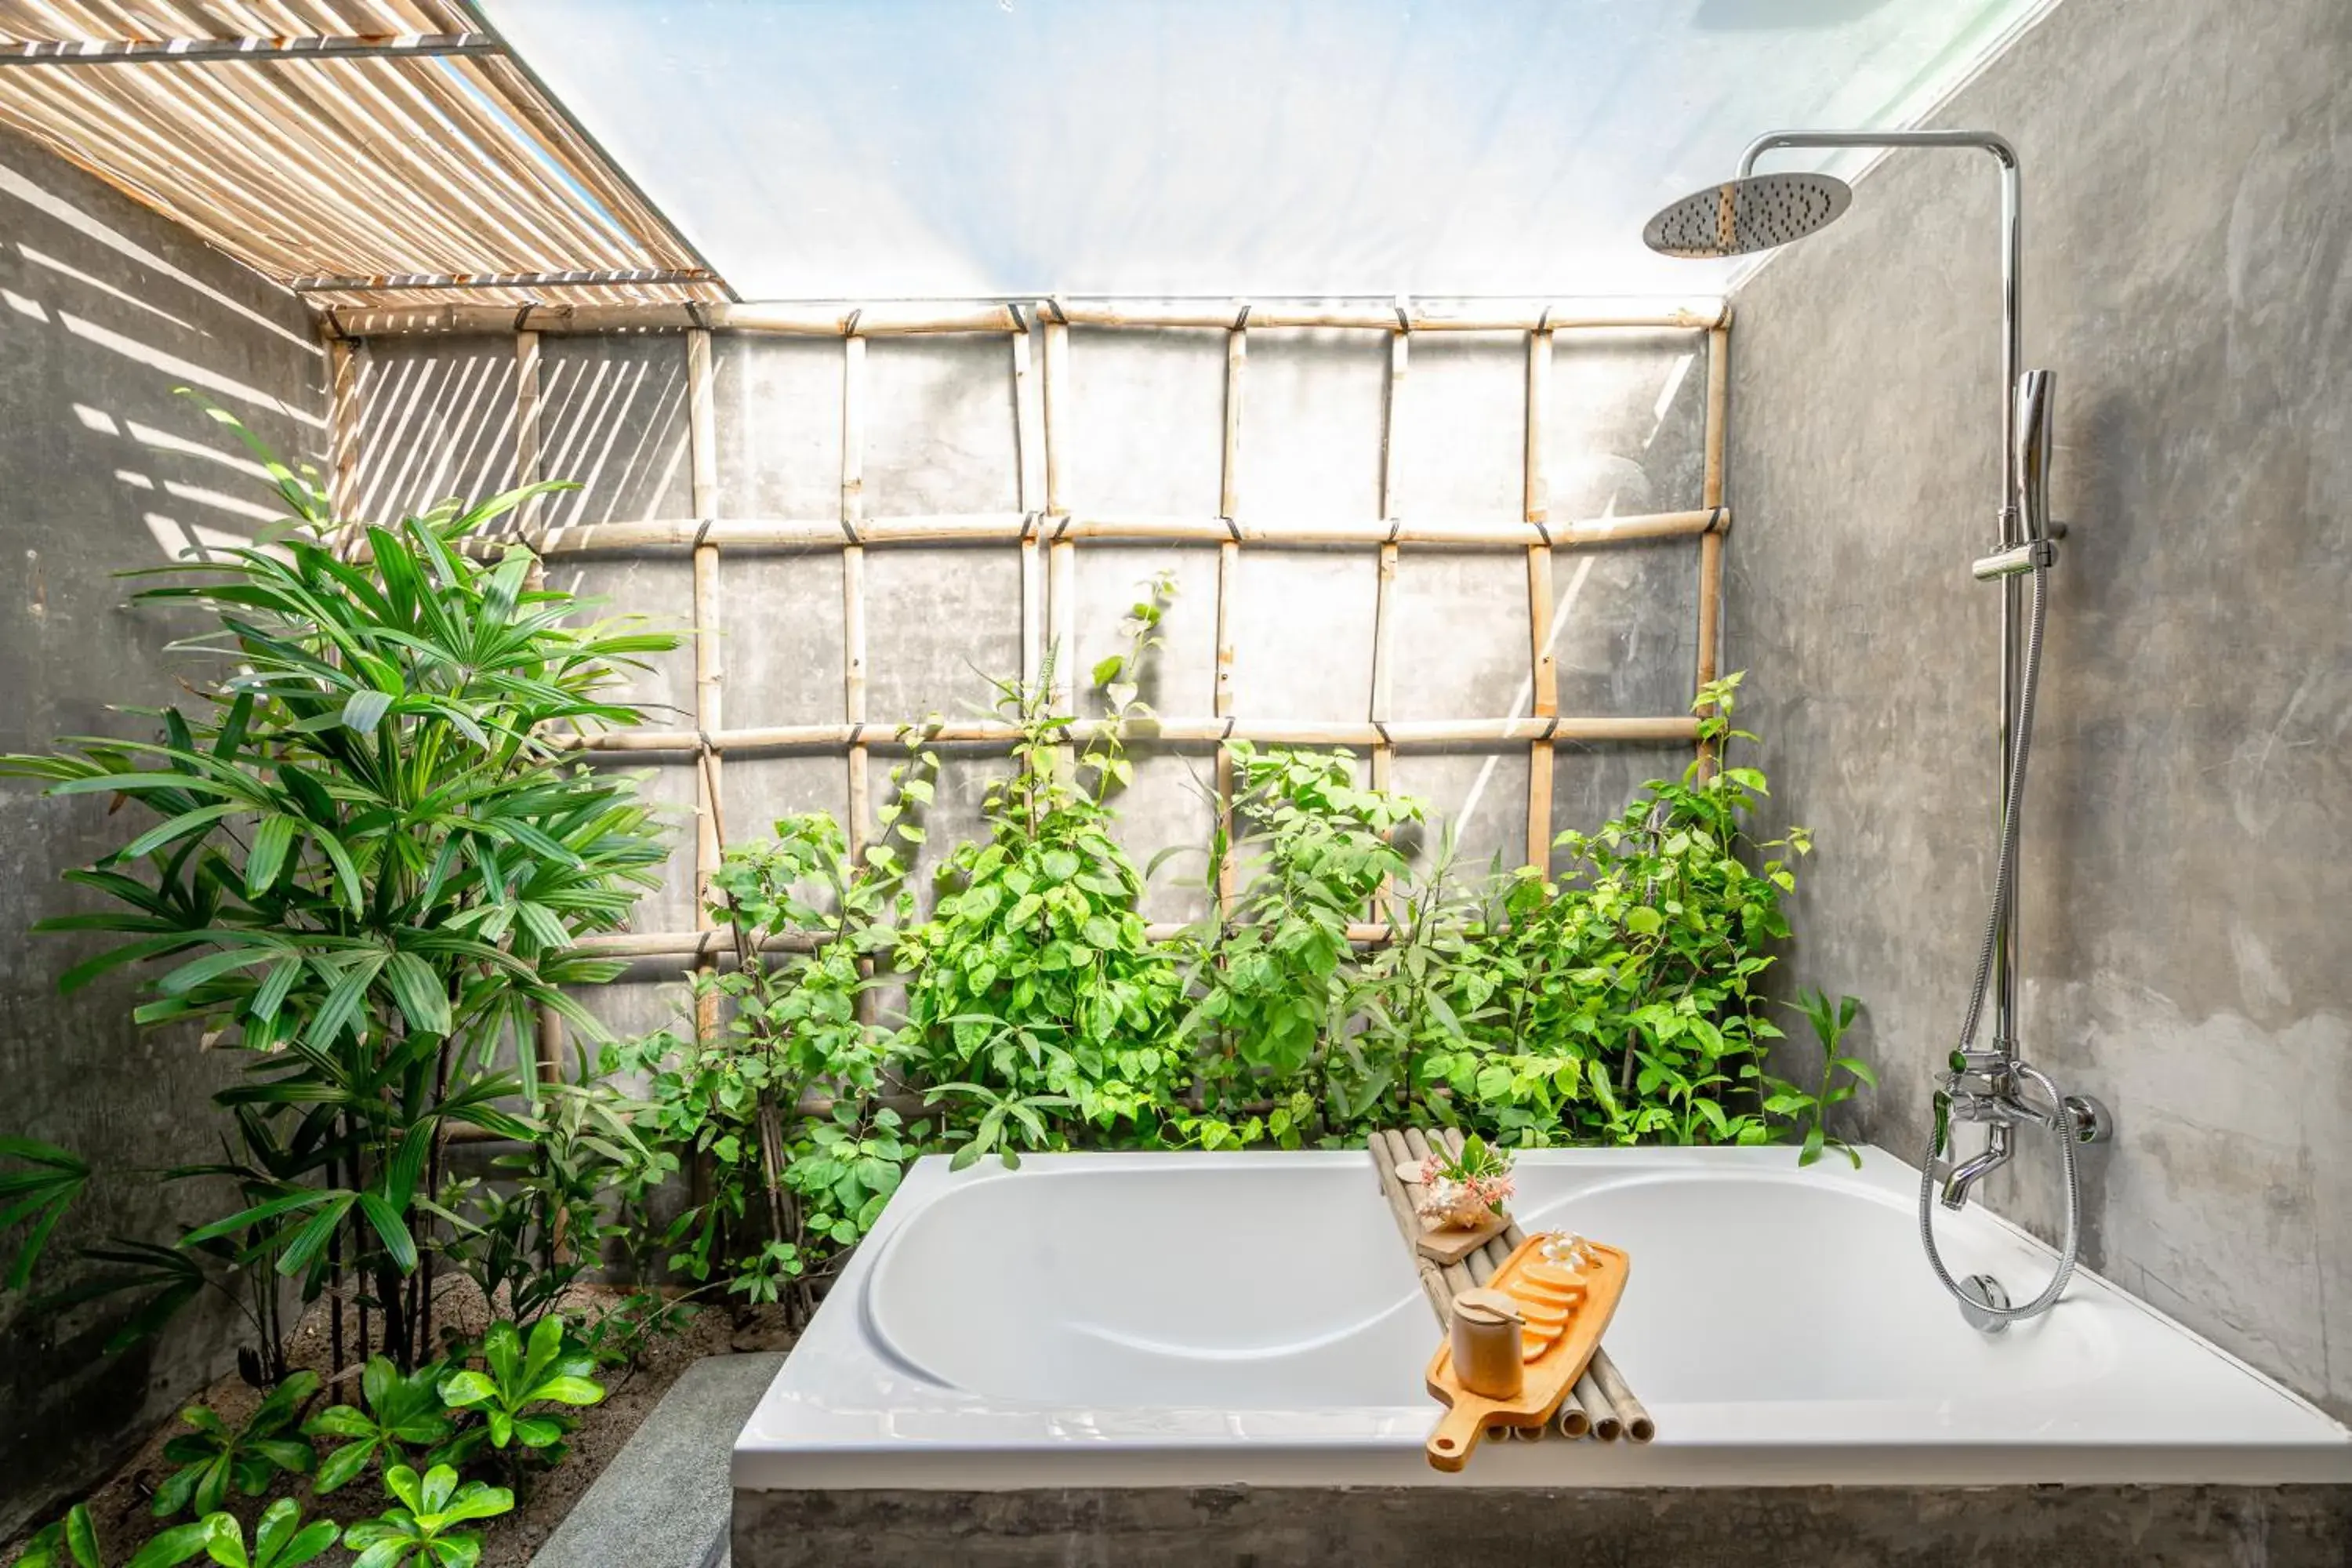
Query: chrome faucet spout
{"x": 1962, "y": 1178}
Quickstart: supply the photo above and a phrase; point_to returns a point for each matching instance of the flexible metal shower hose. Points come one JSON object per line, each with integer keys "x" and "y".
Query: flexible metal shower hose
{"x": 2004, "y": 873}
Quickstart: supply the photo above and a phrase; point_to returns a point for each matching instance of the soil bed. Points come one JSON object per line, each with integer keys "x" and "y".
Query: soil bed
{"x": 118, "y": 1506}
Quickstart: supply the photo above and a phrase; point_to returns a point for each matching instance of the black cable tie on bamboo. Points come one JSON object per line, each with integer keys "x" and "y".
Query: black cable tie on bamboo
{"x": 705, "y": 745}
{"x": 1231, "y": 528}
{"x": 1241, "y": 317}
{"x": 1543, "y": 531}
{"x": 522, "y": 316}
{"x": 1032, "y": 524}
{"x": 1228, "y": 735}
{"x": 1543, "y": 320}
{"x": 1551, "y": 727}
{"x": 694, "y": 314}
{"x": 1404, "y": 318}
{"x": 1019, "y": 322}
{"x": 1053, "y": 302}
{"x": 1380, "y": 728}
{"x": 702, "y": 533}
{"x": 1396, "y": 526}
{"x": 856, "y": 732}
{"x": 849, "y": 323}
{"x": 1718, "y": 520}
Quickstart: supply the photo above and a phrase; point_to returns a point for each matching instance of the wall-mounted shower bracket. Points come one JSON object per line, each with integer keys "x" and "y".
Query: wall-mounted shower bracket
{"x": 2014, "y": 560}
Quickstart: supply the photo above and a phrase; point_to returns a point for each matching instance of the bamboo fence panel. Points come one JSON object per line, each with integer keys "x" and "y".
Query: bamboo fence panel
{"x": 1045, "y": 530}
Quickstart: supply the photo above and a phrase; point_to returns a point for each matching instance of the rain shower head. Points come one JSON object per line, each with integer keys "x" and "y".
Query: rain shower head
{"x": 1755, "y": 213}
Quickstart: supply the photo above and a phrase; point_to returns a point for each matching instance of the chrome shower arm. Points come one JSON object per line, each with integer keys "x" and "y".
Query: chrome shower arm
{"x": 2012, "y": 358}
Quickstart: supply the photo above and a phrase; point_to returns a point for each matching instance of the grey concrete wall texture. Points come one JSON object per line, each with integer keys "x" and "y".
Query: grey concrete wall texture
{"x": 1626, "y": 434}
{"x": 104, "y": 309}
{"x": 2188, "y": 826}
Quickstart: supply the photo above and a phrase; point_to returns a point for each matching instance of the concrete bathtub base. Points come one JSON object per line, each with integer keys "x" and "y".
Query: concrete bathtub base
{"x": 1373, "y": 1527}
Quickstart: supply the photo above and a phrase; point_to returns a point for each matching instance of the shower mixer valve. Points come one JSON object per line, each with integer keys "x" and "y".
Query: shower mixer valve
{"x": 1983, "y": 1086}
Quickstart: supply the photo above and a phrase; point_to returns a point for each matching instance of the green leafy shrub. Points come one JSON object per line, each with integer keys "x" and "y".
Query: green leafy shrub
{"x": 421, "y": 1528}
{"x": 1807, "y": 1109}
{"x": 280, "y": 1539}
{"x": 1276, "y": 979}
{"x": 787, "y": 1190}
{"x": 216, "y": 1456}
{"x": 395, "y": 1414}
{"x": 515, "y": 1377}
{"x": 1035, "y": 983}
{"x": 74, "y": 1540}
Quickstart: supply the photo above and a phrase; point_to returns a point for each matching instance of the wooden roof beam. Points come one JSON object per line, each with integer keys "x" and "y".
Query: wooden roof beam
{"x": 393, "y": 280}
{"x": 235, "y": 51}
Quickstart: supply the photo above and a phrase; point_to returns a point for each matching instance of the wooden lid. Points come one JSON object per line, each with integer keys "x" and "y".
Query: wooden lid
{"x": 1485, "y": 1305}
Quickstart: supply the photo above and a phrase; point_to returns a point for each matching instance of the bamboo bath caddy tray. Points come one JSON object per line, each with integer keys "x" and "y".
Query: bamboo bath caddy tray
{"x": 1599, "y": 1404}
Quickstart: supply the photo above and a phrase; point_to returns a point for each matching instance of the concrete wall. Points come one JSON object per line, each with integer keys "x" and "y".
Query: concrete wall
{"x": 104, "y": 309}
{"x": 1626, "y": 430}
{"x": 2188, "y": 827}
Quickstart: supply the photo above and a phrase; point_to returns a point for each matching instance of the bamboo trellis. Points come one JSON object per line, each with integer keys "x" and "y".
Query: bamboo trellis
{"x": 1047, "y": 532}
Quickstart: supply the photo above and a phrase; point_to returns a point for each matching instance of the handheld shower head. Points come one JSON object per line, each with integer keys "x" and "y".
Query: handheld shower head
{"x": 1754, "y": 213}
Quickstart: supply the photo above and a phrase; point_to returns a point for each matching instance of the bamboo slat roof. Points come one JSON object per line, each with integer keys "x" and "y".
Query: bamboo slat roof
{"x": 363, "y": 152}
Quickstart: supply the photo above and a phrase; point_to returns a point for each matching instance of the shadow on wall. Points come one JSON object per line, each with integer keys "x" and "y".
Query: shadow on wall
{"x": 104, "y": 309}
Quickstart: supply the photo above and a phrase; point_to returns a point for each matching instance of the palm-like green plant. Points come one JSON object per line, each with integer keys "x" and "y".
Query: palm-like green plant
{"x": 215, "y": 1455}
{"x": 371, "y": 856}
{"x": 421, "y": 1530}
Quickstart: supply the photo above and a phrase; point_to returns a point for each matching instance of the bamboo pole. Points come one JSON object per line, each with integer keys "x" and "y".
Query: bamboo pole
{"x": 853, "y": 588}
{"x": 1061, "y": 559}
{"x": 1029, "y": 437}
{"x": 547, "y": 1041}
{"x": 1520, "y": 730}
{"x": 1384, "y": 587}
{"x": 892, "y": 318}
{"x": 1543, "y": 670}
{"x": 344, "y": 431}
{"x": 698, "y": 945}
{"x": 799, "y": 535}
{"x": 702, "y": 441}
{"x": 1432, "y": 1283}
{"x": 1710, "y": 543}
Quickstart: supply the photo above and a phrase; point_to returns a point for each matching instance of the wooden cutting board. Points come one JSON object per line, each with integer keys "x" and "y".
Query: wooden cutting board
{"x": 1549, "y": 1376}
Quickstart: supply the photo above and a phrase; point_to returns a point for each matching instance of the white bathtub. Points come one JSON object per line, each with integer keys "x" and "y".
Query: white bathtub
{"x": 1198, "y": 1320}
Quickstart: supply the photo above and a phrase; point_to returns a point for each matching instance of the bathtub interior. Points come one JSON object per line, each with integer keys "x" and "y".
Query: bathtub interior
{"x": 1223, "y": 1286}
{"x": 1790, "y": 1285}
{"x": 1194, "y": 1318}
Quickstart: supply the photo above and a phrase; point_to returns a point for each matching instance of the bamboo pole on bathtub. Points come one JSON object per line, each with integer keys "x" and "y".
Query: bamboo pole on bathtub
{"x": 1385, "y": 1160}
